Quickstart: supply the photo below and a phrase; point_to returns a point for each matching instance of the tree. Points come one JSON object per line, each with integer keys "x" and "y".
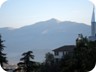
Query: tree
{"x": 49, "y": 65}
{"x": 84, "y": 56}
{"x": 49, "y": 58}
{"x": 27, "y": 56}
{"x": 2, "y": 55}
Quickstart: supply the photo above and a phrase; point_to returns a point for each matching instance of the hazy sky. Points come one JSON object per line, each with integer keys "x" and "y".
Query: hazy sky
{"x": 18, "y": 13}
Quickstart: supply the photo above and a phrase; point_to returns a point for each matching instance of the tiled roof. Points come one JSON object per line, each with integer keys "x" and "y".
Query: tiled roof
{"x": 65, "y": 48}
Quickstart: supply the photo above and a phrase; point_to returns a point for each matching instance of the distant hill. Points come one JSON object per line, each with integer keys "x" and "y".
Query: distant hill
{"x": 41, "y": 37}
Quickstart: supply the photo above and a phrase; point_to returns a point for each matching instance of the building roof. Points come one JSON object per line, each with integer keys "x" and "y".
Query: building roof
{"x": 65, "y": 48}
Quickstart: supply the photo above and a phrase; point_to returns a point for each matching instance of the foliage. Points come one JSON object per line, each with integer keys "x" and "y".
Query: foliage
{"x": 2, "y": 55}
{"x": 49, "y": 65}
{"x": 49, "y": 58}
{"x": 27, "y": 56}
{"x": 85, "y": 53}
{"x": 83, "y": 58}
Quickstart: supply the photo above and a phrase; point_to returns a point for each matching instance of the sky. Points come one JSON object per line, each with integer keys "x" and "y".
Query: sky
{"x": 18, "y": 13}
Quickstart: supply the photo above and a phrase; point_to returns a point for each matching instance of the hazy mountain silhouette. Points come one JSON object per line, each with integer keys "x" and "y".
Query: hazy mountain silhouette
{"x": 41, "y": 37}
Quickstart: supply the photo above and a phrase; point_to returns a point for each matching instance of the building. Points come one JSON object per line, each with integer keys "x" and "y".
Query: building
{"x": 61, "y": 52}
{"x": 93, "y": 27}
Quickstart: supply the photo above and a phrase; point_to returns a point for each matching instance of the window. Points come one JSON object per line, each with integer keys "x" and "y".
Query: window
{"x": 65, "y": 52}
{"x": 56, "y": 53}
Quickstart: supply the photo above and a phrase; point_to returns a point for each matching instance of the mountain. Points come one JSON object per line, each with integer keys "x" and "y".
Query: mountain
{"x": 41, "y": 37}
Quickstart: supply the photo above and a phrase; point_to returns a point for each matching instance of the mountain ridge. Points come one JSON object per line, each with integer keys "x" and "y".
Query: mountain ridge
{"x": 50, "y": 20}
{"x": 41, "y": 37}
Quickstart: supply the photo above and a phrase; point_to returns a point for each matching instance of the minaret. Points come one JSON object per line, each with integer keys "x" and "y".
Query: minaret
{"x": 93, "y": 26}
{"x": 93, "y": 23}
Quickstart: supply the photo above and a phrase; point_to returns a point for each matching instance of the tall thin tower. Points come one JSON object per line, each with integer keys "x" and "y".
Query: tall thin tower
{"x": 93, "y": 26}
{"x": 93, "y": 23}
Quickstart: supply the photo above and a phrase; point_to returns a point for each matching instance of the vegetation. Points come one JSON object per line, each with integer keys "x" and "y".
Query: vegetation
{"x": 49, "y": 58}
{"x": 27, "y": 56}
{"x": 2, "y": 55}
{"x": 49, "y": 65}
{"x": 83, "y": 59}
{"x": 85, "y": 53}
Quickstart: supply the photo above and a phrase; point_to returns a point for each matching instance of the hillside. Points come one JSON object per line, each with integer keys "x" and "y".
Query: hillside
{"x": 41, "y": 37}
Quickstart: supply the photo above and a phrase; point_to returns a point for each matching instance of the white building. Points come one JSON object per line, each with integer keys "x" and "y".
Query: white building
{"x": 68, "y": 49}
{"x": 93, "y": 27}
{"x": 61, "y": 52}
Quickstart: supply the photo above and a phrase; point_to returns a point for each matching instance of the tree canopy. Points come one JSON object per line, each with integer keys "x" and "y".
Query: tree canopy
{"x": 2, "y": 55}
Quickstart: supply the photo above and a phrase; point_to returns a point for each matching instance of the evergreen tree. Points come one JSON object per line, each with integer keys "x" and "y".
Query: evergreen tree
{"x": 27, "y": 56}
{"x": 2, "y": 55}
